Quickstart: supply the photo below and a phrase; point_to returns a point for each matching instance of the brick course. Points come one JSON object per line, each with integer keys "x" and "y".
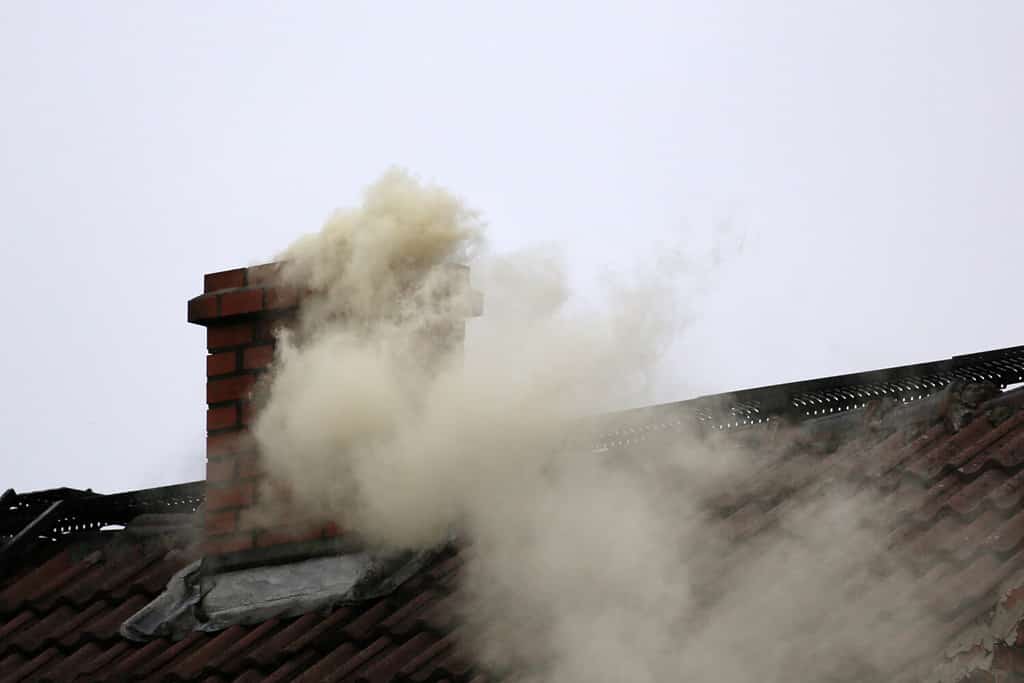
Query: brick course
{"x": 224, "y": 336}
{"x": 222, "y": 417}
{"x": 221, "y": 470}
{"x": 241, "y": 301}
{"x": 224, "y": 522}
{"x": 227, "y": 443}
{"x": 234, "y": 494}
{"x": 221, "y": 363}
{"x": 229, "y": 388}
{"x": 226, "y": 544}
{"x": 225, "y": 279}
{"x": 258, "y": 357}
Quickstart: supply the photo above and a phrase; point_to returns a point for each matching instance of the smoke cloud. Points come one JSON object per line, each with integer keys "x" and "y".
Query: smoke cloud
{"x": 581, "y": 566}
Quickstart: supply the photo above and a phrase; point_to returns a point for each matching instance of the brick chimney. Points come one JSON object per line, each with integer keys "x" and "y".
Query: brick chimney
{"x": 241, "y": 309}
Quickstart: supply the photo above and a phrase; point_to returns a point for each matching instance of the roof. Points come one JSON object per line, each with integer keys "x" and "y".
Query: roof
{"x": 61, "y": 620}
{"x": 951, "y": 464}
{"x": 955, "y": 490}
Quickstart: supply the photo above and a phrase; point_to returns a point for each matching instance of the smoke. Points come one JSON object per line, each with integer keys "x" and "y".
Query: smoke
{"x": 580, "y": 566}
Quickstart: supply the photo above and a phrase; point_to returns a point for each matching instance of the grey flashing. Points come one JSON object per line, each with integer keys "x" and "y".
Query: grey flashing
{"x": 194, "y": 600}
{"x": 172, "y": 613}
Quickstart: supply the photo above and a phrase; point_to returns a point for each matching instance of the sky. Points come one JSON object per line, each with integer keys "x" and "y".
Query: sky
{"x": 859, "y": 166}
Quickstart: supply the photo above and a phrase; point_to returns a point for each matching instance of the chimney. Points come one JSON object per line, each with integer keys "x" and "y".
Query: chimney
{"x": 241, "y": 310}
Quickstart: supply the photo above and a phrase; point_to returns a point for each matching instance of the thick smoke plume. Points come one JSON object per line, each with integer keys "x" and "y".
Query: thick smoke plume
{"x": 581, "y": 566}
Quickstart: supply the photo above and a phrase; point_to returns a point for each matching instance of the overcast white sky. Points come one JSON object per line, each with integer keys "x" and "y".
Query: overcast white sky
{"x": 869, "y": 153}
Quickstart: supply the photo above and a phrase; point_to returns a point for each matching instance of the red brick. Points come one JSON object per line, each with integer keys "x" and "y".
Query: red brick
{"x": 221, "y": 363}
{"x": 232, "y": 496}
{"x": 229, "y": 388}
{"x": 225, "y": 279}
{"x": 242, "y": 301}
{"x": 265, "y": 274}
{"x": 221, "y": 469}
{"x": 231, "y": 543}
{"x": 222, "y": 417}
{"x": 249, "y": 465}
{"x": 282, "y": 297}
{"x": 256, "y": 357}
{"x": 221, "y": 336}
{"x": 202, "y": 307}
{"x": 228, "y": 443}
{"x": 283, "y": 535}
{"x": 221, "y": 522}
{"x": 247, "y": 413}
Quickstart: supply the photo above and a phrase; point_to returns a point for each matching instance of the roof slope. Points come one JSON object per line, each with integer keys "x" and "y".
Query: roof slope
{"x": 955, "y": 477}
{"x": 953, "y": 480}
{"x": 60, "y": 621}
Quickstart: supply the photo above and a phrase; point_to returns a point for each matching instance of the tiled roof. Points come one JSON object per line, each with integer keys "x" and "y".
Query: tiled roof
{"x": 958, "y": 495}
{"x": 959, "y": 489}
{"x": 60, "y": 621}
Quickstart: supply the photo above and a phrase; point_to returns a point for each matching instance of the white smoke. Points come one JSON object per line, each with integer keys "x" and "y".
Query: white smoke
{"x": 580, "y": 566}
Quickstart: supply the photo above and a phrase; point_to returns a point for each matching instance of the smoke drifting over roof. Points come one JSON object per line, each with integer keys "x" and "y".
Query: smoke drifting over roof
{"x": 582, "y": 567}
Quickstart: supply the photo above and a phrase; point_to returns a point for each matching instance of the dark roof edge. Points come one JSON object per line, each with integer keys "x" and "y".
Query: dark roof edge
{"x": 28, "y": 519}
{"x": 828, "y": 395}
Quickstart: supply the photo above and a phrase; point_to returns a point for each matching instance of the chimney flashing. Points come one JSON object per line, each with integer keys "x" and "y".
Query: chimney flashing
{"x": 195, "y": 600}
